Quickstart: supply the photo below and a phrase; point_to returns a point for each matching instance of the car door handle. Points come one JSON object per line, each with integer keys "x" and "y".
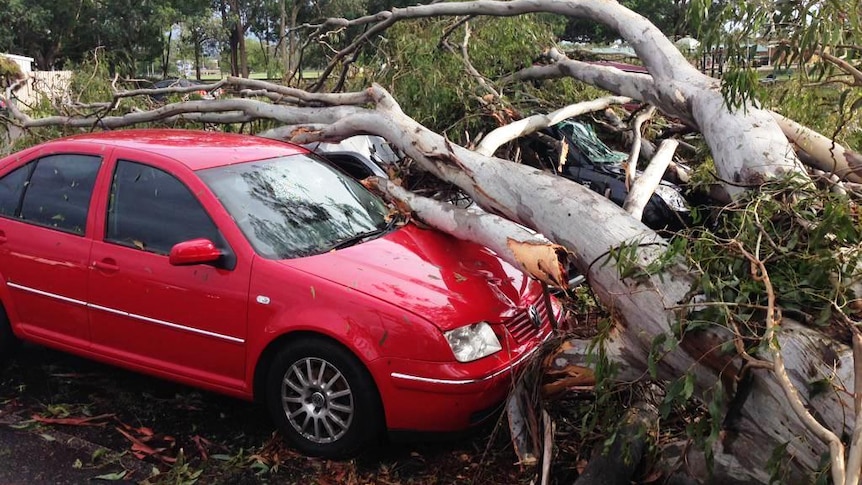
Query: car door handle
{"x": 108, "y": 265}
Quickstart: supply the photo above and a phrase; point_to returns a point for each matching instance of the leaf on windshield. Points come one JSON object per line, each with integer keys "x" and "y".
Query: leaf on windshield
{"x": 138, "y": 244}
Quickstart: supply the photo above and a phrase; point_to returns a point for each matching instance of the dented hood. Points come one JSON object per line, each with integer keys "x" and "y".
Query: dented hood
{"x": 433, "y": 275}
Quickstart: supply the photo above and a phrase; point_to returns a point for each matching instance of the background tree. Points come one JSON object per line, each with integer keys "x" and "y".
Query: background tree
{"x": 667, "y": 15}
{"x": 199, "y": 30}
{"x": 59, "y": 33}
{"x": 46, "y": 30}
{"x": 237, "y": 18}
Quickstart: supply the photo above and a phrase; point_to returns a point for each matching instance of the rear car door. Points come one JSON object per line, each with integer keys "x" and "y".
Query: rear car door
{"x": 185, "y": 321}
{"x": 44, "y": 243}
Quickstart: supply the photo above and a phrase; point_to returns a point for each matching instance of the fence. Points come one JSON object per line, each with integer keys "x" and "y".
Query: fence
{"x": 53, "y": 85}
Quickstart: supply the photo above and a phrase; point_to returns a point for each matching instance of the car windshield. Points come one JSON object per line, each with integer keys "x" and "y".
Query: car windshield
{"x": 296, "y": 206}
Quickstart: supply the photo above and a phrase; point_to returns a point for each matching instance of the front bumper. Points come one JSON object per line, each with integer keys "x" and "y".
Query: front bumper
{"x": 445, "y": 397}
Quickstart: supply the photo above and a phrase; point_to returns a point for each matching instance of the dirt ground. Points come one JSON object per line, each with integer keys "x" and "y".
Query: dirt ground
{"x": 68, "y": 420}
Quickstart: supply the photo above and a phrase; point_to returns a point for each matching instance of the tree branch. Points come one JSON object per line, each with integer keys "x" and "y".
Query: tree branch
{"x": 843, "y": 65}
{"x": 836, "y": 448}
{"x": 645, "y": 185}
{"x": 657, "y": 52}
{"x": 496, "y": 138}
{"x": 513, "y": 243}
{"x": 826, "y": 154}
{"x": 633, "y": 85}
{"x": 634, "y": 152}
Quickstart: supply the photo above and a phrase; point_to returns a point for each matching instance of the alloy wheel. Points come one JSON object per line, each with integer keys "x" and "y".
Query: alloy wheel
{"x": 317, "y": 400}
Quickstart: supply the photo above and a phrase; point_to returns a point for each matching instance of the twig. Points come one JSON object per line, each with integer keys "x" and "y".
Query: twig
{"x": 854, "y": 459}
{"x": 843, "y": 65}
{"x": 634, "y": 153}
{"x": 750, "y": 361}
{"x": 548, "y": 447}
{"x": 836, "y": 448}
{"x": 531, "y": 124}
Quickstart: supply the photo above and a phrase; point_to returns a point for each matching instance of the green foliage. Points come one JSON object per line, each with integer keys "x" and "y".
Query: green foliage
{"x": 809, "y": 240}
{"x": 431, "y": 82}
{"x": 59, "y": 32}
{"x": 91, "y": 81}
{"x": 798, "y": 32}
{"x": 10, "y": 72}
{"x": 823, "y": 108}
{"x": 740, "y": 87}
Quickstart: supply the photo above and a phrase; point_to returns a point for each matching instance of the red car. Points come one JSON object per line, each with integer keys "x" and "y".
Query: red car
{"x": 254, "y": 268}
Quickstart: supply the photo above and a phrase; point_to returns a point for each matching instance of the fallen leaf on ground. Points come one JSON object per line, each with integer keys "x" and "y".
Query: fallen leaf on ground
{"x": 84, "y": 421}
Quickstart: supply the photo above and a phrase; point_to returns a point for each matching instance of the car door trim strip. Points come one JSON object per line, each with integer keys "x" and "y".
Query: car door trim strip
{"x": 127, "y": 314}
{"x": 45, "y": 293}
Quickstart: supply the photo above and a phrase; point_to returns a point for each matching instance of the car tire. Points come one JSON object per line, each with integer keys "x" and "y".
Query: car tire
{"x": 323, "y": 399}
{"x": 8, "y": 341}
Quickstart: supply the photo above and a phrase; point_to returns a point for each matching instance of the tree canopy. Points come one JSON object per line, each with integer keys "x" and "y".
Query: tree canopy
{"x": 62, "y": 33}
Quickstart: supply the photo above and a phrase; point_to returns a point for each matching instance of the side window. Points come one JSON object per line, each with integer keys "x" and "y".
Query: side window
{"x": 59, "y": 191}
{"x": 151, "y": 210}
{"x": 12, "y": 190}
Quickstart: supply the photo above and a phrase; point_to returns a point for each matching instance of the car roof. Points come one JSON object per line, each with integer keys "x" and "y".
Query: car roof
{"x": 195, "y": 149}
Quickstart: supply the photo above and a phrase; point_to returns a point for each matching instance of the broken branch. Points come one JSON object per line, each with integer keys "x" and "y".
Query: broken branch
{"x": 645, "y": 185}
{"x": 531, "y": 124}
{"x": 513, "y": 243}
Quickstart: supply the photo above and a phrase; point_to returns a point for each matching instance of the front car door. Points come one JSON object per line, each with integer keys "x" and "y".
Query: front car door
{"x": 45, "y": 243}
{"x": 188, "y": 322}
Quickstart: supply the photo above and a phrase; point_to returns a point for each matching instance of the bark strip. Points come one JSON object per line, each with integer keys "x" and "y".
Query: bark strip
{"x": 513, "y": 243}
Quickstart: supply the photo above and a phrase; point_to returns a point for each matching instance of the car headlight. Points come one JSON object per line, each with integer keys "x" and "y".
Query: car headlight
{"x": 473, "y": 342}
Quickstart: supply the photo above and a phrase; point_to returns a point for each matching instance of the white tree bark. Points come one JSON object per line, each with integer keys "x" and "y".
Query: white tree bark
{"x": 645, "y": 185}
{"x": 515, "y": 244}
{"x": 829, "y": 156}
{"x": 747, "y": 145}
{"x": 504, "y": 134}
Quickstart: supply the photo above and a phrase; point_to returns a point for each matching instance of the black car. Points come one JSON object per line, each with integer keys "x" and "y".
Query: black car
{"x": 590, "y": 162}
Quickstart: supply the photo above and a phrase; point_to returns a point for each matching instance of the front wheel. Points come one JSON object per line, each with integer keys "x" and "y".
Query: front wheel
{"x": 323, "y": 399}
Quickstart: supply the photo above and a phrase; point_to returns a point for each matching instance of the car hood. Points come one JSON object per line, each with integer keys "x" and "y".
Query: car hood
{"x": 433, "y": 275}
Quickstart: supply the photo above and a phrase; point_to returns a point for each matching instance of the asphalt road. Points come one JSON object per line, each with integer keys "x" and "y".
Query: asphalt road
{"x": 50, "y": 456}
{"x": 66, "y": 420}
{"x": 48, "y": 400}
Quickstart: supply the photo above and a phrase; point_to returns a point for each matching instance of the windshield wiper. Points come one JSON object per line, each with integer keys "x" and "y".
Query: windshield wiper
{"x": 356, "y": 239}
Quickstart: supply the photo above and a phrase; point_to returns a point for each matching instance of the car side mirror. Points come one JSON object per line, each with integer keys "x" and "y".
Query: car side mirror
{"x": 195, "y": 251}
